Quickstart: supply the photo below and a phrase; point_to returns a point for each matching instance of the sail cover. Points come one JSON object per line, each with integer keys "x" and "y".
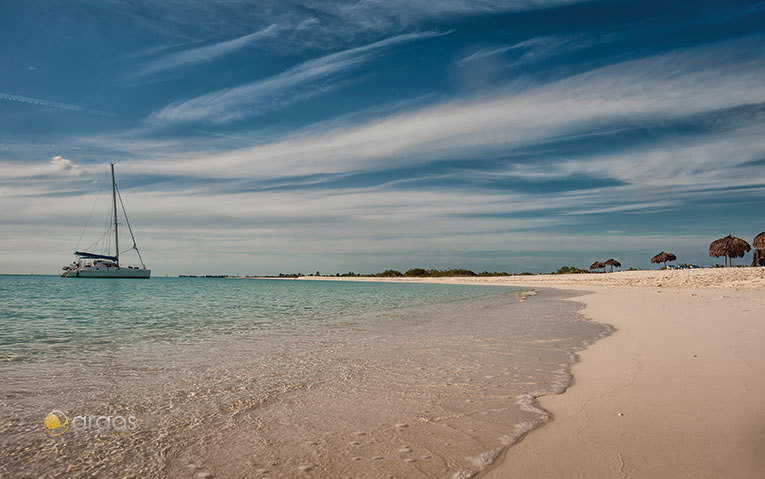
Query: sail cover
{"x": 83, "y": 254}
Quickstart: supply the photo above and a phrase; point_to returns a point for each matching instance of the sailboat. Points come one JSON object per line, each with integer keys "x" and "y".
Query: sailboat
{"x": 96, "y": 265}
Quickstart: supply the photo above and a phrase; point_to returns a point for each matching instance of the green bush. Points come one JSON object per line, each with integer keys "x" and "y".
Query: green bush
{"x": 570, "y": 270}
{"x": 389, "y": 273}
{"x": 437, "y": 273}
{"x": 416, "y": 272}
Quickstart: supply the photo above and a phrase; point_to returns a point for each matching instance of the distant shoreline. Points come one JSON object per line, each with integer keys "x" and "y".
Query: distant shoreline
{"x": 744, "y": 278}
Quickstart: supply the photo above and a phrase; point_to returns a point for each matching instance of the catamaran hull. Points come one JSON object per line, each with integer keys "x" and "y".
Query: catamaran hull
{"x": 110, "y": 273}
{"x": 100, "y": 265}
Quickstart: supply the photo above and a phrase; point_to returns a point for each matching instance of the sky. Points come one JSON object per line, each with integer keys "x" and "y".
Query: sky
{"x": 257, "y": 137}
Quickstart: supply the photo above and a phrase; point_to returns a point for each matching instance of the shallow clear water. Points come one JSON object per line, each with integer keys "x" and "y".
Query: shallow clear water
{"x": 270, "y": 378}
{"x": 49, "y": 316}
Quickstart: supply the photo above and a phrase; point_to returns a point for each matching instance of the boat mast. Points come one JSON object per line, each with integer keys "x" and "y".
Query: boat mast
{"x": 114, "y": 205}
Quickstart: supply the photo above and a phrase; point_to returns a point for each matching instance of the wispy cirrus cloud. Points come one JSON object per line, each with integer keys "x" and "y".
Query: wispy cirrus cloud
{"x": 535, "y": 49}
{"x": 391, "y": 15}
{"x": 207, "y": 53}
{"x": 351, "y": 224}
{"x": 57, "y": 166}
{"x": 698, "y": 162}
{"x": 299, "y": 82}
{"x": 314, "y": 22}
{"x": 51, "y": 104}
{"x": 684, "y": 82}
{"x": 494, "y": 165}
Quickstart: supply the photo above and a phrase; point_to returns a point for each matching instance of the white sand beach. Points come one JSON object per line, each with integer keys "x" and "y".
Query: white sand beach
{"x": 450, "y": 388}
{"x": 718, "y": 278}
{"x": 676, "y": 391}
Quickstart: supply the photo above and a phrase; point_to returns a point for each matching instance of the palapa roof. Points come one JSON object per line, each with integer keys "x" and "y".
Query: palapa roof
{"x": 663, "y": 257}
{"x": 759, "y": 240}
{"x": 729, "y": 246}
{"x": 613, "y": 262}
{"x": 597, "y": 265}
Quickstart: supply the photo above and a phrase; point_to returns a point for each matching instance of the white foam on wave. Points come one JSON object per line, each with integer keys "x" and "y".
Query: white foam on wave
{"x": 519, "y": 431}
{"x": 481, "y": 462}
{"x": 464, "y": 473}
{"x": 485, "y": 459}
{"x": 562, "y": 379}
{"x": 526, "y": 402}
{"x": 522, "y": 295}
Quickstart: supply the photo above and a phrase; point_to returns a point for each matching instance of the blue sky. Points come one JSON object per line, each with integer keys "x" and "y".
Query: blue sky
{"x": 268, "y": 136}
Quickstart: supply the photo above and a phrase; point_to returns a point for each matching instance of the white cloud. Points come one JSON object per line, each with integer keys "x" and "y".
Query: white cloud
{"x": 330, "y": 229}
{"x": 229, "y": 104}
{"x": 385, "y": 15}
{"x": 63, "y": 164}
{"x": 55, "y": 167}
{"x": 50, "y": 104}
{"x": 321, "y": 24}
{"x": 353, "y": 225}
{"x": 267, "y": 232}
{"x": 697, "y": 162}
{"x": 207, "y": 53}
{"x": 668, "y": 86}
{"x": 533, "y": 49}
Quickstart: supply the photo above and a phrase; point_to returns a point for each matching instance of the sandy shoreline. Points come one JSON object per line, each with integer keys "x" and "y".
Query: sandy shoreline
{"x": 718, "y": 278}
{"x": 675, "y": 392}
{"x": 431, "y": 391}
{"x": 393, "y": 390}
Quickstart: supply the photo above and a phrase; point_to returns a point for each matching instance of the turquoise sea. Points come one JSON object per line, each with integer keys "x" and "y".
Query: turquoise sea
{"x": 45, "y": 317}
{"x": 275, "y": 378}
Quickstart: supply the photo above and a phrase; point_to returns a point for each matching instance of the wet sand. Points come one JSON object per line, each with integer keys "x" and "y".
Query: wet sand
{"x": 440, "y": 392}
{"x": 435, "y": 391}
{"x": 676, "y": 391}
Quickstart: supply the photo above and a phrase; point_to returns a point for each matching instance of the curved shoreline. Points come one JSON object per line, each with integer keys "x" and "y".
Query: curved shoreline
{"x": 493, "y": 459}
{"x": 654, "y": 400}
{"x": 446, "y": 386}
{"x": 417, "y": 391}
{"x": 533, "y": 401}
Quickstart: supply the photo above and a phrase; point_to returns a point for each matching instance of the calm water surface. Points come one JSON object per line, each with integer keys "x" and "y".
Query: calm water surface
{"x": 276, "y": 378}
{"x": 49, "y": 316}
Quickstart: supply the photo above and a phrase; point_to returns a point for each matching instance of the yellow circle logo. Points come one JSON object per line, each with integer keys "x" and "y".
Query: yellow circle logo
{"x": 56, "y": 423}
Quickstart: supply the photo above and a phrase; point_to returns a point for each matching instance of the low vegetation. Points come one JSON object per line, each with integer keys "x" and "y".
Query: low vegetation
{"x": 436, "y": 273}
{"x": 570, "y": 270}
{"x": 289, "y": 275}
{"x": 389, "y": 273}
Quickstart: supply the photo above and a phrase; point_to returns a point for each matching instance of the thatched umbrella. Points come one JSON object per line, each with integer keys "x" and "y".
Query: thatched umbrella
{"x": 597, "y": 265}
{"x": 612, "y": 262}
{"x": 759, "y": 253}
{"x": 663, "y": 258}
{"x": 730, "y": 247}
{"x": 759, "y": 241}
